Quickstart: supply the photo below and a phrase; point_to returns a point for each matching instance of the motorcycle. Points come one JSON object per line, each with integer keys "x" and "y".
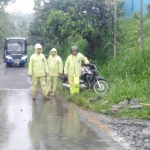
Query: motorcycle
{"x": 89, "y": 79}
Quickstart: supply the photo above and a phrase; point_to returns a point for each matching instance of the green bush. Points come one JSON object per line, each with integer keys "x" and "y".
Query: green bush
{"x": 64, "y": 49}
{"x": 30, "y": 51}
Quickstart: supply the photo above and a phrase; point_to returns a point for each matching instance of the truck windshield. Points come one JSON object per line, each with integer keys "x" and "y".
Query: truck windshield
{"x": 19, "y": 46}
{"x": 16, "y": 47}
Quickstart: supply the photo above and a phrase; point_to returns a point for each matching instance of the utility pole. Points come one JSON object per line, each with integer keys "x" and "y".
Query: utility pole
{"x": 115, "y": 28}
{"x": 141, "y": 25}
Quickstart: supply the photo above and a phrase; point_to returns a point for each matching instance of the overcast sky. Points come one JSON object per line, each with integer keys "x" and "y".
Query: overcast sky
{"x": 24, "y": 6}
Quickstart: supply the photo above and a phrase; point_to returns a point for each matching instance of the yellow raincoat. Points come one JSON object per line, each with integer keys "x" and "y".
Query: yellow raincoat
{"x": 55, "y": 67}
{"x": 73, "y": 70}
{"x": 37, "y": 69}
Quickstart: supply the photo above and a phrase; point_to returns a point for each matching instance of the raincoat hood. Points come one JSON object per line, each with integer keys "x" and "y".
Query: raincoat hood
{"x": 55, "y": 64}
{"x": 53, "y": 50}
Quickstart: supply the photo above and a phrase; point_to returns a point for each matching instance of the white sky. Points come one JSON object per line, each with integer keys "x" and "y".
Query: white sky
{"x": 24, "y": 6}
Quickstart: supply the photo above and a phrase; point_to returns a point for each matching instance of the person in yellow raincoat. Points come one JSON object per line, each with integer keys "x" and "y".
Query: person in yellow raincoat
{"x": 73, "y": 69}
{"x": 37, "y": 70}
{"x": 55, "y": 67}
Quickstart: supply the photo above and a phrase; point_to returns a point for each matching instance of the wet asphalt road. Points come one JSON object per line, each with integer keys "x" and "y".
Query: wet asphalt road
{"x": 43, "y": 125}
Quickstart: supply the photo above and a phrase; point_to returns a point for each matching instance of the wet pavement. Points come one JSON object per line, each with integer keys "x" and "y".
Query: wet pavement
{"x": 13, "y": 78}
{"x": 43, "y": 125}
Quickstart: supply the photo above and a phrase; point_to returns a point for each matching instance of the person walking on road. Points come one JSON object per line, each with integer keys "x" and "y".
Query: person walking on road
{"x": 37, "y": 70}
{"x": 73, "y": 69}
{"x": 55, "y": 67}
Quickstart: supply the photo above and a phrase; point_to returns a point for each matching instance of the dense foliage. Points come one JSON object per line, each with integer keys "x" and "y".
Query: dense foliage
{"x": 14, "y": 24}
{"x": 6, "y": 26}
{"x": 58, "y": 22}
{"x": 128, "y": 74}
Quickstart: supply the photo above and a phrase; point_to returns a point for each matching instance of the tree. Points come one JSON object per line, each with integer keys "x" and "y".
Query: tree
{"x": 5, "y": 21}
{"x": 141, "y": 25}
{"x": 60, "y": 19}
{"x": 7, "y": 27}
{"x": 115, "y": 28}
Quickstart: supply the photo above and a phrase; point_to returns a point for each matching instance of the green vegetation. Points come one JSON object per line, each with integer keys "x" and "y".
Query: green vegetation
{"x": 30, "y": 52}
{"x": 128, "y": 75}
{"x": 6, "y": 26}
{"x": 12, "y": 24}
{"x": 64, "y": 23}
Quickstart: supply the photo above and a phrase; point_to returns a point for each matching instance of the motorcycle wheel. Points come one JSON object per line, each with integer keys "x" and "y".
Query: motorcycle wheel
{"x": 101, "y": 87}
{"x": 66, "y": 89}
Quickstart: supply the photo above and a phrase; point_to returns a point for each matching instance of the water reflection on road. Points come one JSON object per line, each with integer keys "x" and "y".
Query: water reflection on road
{"x": 42, "y": 125}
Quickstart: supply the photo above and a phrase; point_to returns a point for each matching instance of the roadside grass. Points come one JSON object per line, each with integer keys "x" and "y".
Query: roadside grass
{"x": 103, "y": 106}
{"x": 82, "y": 99}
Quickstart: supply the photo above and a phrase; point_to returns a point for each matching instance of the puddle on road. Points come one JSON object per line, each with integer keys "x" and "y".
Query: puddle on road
{"x": 42, "y": 125}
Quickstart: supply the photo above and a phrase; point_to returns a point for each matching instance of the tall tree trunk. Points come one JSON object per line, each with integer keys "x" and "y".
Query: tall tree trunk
{"x": 115, "y": 28}
{"x": 141, "y": 25}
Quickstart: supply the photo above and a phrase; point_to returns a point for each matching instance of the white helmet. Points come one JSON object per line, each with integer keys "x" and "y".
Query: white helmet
{"x": 53, "y": 50}
{"x": 38, "y": 45}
